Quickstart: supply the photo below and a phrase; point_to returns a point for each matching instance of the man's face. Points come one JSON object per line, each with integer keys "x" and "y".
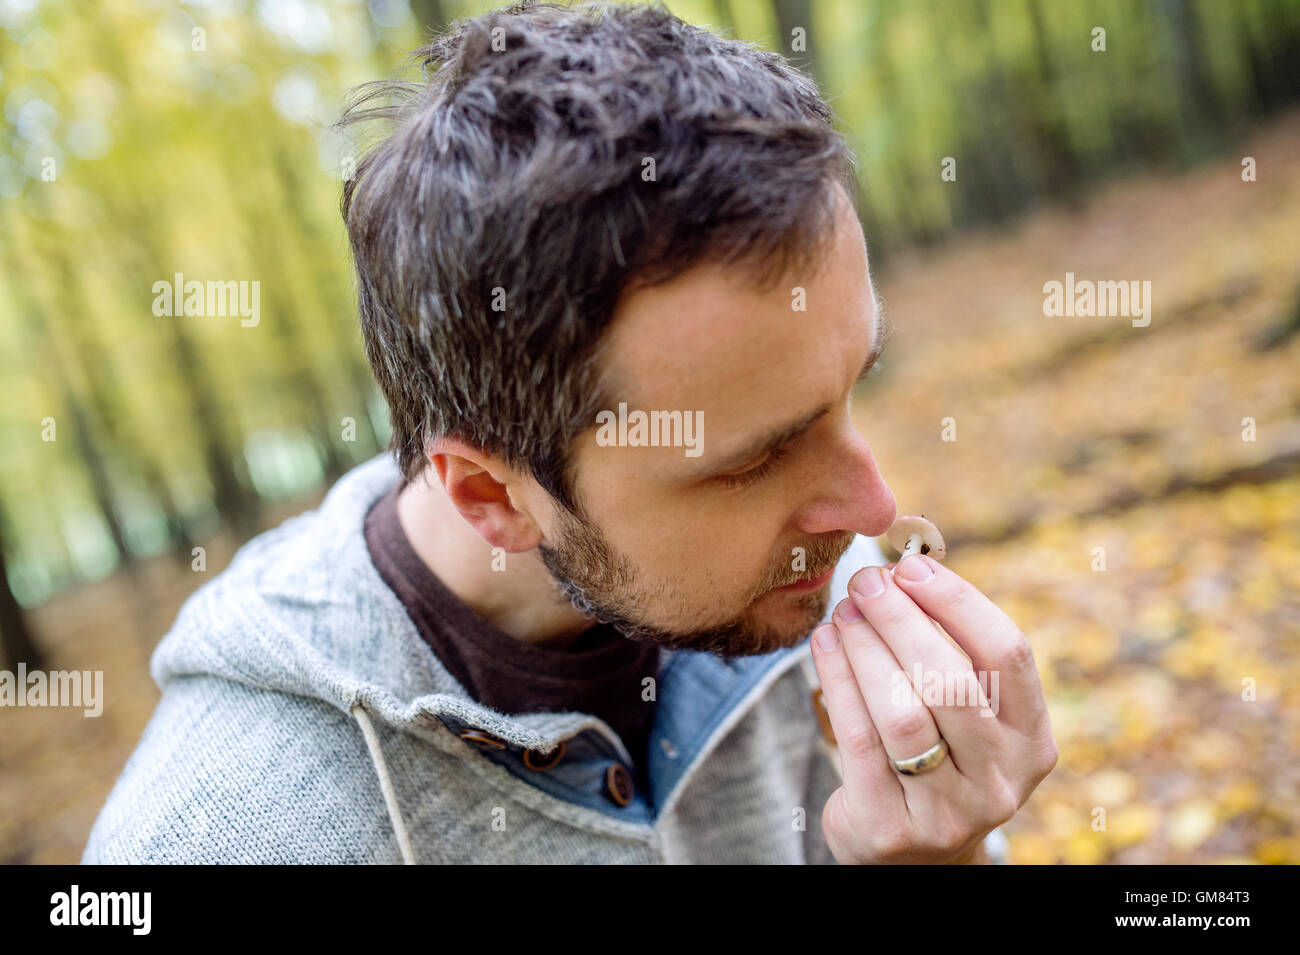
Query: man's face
{"x": 692, "y": 551}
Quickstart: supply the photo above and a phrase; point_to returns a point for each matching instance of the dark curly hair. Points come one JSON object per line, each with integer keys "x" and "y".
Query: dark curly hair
{"x": 557, "y": 157}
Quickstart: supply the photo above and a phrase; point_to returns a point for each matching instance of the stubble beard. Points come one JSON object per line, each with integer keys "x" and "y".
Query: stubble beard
{"x": 602, "y": 585}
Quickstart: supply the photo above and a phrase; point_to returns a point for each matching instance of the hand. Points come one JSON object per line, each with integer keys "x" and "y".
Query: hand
{"x": 1000, "y": 744}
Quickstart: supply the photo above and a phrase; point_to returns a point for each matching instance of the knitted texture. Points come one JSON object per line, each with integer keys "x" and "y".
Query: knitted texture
{"x": 253, "y": 755}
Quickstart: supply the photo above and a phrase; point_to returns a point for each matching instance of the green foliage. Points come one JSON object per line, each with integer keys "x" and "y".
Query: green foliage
{"x": 161, "y": 137}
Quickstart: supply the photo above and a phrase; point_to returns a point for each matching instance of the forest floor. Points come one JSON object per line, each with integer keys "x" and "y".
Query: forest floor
{"x": 1099, "y": 489}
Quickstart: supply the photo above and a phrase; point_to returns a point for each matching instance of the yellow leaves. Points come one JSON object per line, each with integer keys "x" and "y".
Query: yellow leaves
{"x": 1261, "y": 671}
{"x": 1030, "y": 848}
{"x": 1282, "y": 501}
{"x": 1082, "y": 755}
{"x": 1238, "y": 797}
{"x": 1111, "y": 787}
{"x": 1159, "y": 620}
{"x": 1052, "y": 538}
{"x": 1146, "y": 695}
{"x": 1061, "y": 819}
{"x": 1020, "y": 609}
{"x": 1191, "y": 824}
{"x": 1136, "y": 728}
{"x": 1207, "y": 751}
{"x": 1149, "y": 550}
{"x": 1261, "y": 592}
{"x": 1085, "y": 847}
{"x": 1108, "y": 607}
{"x": 1239, "y": 507}
{"x": 1202, "y": 555}
{"x": 1141, "y": 663}
{"x": 1281, "y": 549}
{"x": 1200, "y": 653}
{"x": 1067, "y": 713}
{"x": 1127, "y": 825}
{"x": 1093, "y": 645}
{"x": 1131, "y": 825}
{"x": 1279, "y": 851}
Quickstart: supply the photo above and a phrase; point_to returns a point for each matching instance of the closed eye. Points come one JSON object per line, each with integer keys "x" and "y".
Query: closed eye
{"x": 869, "y": 371}
{"x": 756, "y": 473}
{"x": 883, "y": 333}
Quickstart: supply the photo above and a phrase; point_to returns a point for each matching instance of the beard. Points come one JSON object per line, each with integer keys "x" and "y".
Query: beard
{"x": 604, "y": 586}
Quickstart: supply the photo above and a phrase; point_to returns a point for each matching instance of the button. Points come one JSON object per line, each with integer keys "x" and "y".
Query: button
{"x": 533, "y": 760}
{"x": 823, "y": 717}
{"x": 483, "y": 738}
{"x": 618, "y": 782}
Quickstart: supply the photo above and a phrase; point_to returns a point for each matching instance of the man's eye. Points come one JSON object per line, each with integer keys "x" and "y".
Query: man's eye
{"x": 756, "y": 473}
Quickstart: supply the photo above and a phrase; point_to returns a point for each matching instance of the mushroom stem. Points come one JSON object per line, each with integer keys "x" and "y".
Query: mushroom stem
{"x": 914, "y": 542}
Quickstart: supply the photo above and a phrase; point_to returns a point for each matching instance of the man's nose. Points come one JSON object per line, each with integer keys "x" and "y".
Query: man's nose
{"x": 852, "y": 495}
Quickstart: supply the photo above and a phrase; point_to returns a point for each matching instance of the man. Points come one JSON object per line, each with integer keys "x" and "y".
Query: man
{"x": 614, "y": 288}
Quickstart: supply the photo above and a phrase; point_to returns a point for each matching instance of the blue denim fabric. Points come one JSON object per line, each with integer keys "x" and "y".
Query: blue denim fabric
{"x": 695, "y": 692}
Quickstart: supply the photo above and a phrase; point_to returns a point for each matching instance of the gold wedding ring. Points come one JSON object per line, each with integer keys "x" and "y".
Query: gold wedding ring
{"x": 927, "y": 761}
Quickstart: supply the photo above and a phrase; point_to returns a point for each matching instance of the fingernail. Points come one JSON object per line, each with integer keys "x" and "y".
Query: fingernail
{"x": 868, "y": 582}
{"x": 848, "y": 611}
{"x": 915, "y": 568}
{"x": 827, "y": 637}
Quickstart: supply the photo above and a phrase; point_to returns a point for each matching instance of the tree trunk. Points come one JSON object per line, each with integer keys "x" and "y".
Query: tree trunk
{"x": 790, "y": 14}
{"x": 15, "y": 636}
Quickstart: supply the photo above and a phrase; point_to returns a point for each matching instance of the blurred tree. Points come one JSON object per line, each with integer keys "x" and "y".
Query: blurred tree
{"x": 792, "y": 14}
{"x": 89, "y": 450}
{"x": 723, "y": 16}
{"x": 105, "y": 397}
{"x": 210, "y": 161}
{"x": 15, "y": 636}
{"x": 141, "y": 215}
{"x": 431, "y": 15}
{"x": 323, "y": 276}
{"x": 1199, "y": 101}
{"x": 1039, "y": 113}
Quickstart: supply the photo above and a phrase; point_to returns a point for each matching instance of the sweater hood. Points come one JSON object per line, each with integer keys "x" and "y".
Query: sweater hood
{"x": 302, "y": 610}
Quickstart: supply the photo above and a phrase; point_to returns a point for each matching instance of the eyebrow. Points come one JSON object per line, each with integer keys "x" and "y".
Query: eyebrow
{"x": 771, "y": 440}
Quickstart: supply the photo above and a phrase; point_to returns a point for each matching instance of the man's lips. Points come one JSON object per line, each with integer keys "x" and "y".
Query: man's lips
{"x": 806, "y": 586}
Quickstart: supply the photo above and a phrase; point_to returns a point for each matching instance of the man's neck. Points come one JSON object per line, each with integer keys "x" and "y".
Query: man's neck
{"x": 521, "y": 600}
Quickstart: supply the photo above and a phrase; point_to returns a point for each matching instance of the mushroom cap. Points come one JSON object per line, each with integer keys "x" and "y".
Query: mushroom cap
{"x": 909, "y": 524}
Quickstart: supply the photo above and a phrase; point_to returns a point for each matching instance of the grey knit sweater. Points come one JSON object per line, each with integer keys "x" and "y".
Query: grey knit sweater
{"x": 303, "y": 720}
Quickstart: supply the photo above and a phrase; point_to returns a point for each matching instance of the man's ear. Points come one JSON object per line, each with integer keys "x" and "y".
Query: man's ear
{"x": 478, "y": 486}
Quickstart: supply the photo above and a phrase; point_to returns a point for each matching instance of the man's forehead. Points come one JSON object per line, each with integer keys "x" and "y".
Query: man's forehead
{"x": 709, "y": 331}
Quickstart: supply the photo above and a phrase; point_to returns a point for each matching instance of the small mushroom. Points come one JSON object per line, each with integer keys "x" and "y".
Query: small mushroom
{"x": 911, "y": 534}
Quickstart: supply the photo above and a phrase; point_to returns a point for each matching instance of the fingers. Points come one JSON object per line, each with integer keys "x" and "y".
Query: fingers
{"x": 904, "y": 723}
{"x": 950, "y": 690}
{"x": 868, "y": 778}
{"x": 907, "y": 630}
{"x": 994, "y": 643}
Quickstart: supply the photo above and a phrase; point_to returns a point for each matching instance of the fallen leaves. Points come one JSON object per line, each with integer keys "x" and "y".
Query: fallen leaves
{"x": 1084, "y": 494}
